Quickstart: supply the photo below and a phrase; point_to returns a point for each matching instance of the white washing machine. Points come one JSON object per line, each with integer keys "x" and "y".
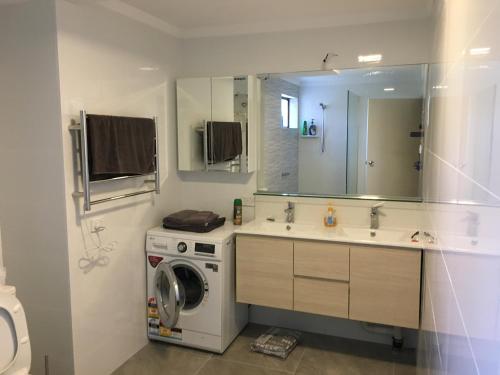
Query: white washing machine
{"x": 191, "y": 288}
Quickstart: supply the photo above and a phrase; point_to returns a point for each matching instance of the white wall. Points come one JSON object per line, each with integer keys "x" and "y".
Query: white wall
{"x": 404, "y": 42}
{"x": 32, "y": 191}
{"x": 100, "y": 56}
{"x": 460, "y": 314}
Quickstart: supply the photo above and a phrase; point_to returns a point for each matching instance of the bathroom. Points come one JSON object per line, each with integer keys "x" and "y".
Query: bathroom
{"x": 80, "y": 274}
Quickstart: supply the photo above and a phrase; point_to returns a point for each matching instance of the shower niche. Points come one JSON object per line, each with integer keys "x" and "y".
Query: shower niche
{"x": 216, "y": 124}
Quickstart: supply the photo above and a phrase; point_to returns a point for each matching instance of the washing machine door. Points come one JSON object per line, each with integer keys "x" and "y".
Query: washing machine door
{"x": 170, "y": 295}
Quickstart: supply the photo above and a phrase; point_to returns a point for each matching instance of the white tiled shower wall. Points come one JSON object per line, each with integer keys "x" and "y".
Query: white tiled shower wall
{"x": 280, "y": 164}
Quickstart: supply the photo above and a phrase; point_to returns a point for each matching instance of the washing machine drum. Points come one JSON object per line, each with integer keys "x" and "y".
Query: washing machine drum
{"x": 177, "y": 287}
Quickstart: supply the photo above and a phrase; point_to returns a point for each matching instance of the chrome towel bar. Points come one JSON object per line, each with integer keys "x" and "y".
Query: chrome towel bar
{"x": 86, "y": 193}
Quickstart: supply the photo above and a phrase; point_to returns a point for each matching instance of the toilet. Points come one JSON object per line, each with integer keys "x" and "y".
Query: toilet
{"x": 15, "y": 356}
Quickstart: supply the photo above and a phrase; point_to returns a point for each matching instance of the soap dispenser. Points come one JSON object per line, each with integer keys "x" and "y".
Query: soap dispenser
{"x": 330, "y": 220}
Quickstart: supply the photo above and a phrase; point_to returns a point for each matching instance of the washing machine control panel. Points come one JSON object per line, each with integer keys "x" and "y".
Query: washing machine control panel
{"x": 185, "y": 247}
{"x": 204, "y": 248}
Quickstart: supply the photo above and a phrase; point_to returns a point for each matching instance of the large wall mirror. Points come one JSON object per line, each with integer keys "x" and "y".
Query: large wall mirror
{"x": 348, "y": 133}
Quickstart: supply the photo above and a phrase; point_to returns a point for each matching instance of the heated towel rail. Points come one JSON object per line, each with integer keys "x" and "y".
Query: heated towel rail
{"x": 88, "y": 202}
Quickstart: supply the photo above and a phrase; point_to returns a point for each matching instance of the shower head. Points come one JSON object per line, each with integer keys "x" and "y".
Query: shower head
{"x": 324, "y": 65}
{"x": 323, "y": 106}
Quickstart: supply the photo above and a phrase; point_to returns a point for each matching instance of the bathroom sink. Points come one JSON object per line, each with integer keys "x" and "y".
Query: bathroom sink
{"x": 284, "y": 228}
{"x": 382, "y": 235}
{"x": 460, "y": 242}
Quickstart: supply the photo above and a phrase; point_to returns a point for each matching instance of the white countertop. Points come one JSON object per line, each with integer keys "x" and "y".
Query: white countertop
{"x": 391, "y": 237}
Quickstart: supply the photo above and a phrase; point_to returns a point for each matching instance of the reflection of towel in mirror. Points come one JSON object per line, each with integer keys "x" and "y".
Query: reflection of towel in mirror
{"x": 224, "y": 141}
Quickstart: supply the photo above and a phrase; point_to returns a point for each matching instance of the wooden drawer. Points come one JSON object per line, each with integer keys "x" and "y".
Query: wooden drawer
{"x": 321, "y": 260}
{"x": 385, "y": 286}
{"x": 264, "y": 271}
{"x": 322, "y": 297}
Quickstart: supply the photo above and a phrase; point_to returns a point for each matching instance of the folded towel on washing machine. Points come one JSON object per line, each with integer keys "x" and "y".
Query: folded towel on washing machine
{"x": 193, "y": 221}
{"x": 192, "y": 217}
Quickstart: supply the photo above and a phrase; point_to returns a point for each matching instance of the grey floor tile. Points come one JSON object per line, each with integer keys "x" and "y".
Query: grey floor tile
{"x": 329, "y": 355}
{"x": 161, "y": 358}
{"x": 326, "y": 362}
{"x": 240, "y": 352}
{"x": 360, "y": 349}
{"x": 316, "y": 354}
{"x": 402, "y": 369}
{"x": 219, "y": 366}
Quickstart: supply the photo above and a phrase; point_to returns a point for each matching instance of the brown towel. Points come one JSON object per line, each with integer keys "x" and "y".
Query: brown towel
{"x": 180, "y": 217}
{"x": 191, "y": 217}
{"x": 224, "y": 141}
{"x": 120, "y": 146}
{"x": 202, "y": 218}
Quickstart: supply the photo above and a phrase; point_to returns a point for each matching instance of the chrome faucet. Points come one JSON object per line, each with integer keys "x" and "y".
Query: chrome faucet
{"x": 290, "y": 212}
{"x": 374, "y": 224}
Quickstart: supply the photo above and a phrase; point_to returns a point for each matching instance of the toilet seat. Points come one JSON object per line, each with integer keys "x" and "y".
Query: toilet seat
{"x": 16, "y": 359}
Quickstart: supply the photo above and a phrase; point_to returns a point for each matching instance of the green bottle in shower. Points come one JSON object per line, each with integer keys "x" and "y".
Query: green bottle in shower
{"x": 304, "y": 128}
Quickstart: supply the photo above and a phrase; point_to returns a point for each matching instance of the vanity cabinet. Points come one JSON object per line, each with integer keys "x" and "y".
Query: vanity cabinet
{"x": 385, "y": 286}
{"x": 264, "y": 267}
{"x": 321, "y": 275}
{"x": 321, "y": 260}
{"x": 366, "y": 283}
{"x": 323, "y": 297}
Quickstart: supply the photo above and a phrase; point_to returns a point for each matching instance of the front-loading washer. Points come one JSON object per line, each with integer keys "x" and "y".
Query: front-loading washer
{"x": 191, "y": 295}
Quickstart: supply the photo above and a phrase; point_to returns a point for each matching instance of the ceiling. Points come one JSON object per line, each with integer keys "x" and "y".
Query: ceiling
{"x": 194, "y": 18}
{"x": 406, "y": 80}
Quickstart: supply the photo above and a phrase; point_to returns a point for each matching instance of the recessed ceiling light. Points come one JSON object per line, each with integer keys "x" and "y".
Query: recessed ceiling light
{"x": 479, "y": 51}
{"x": 389, "y": 89}
{"x": 369, "y": 58}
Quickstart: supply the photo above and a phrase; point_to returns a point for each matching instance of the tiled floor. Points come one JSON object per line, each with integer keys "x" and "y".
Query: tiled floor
{"x": 315, "y": 355}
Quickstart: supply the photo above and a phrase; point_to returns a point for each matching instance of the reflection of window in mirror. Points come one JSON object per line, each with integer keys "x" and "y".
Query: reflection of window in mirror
{"x": 285, "y": 112}
{"x": 289, "y": 112}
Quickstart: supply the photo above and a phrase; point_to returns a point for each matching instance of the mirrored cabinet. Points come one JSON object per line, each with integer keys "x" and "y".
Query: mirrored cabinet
{"x": 216, "y": 124}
